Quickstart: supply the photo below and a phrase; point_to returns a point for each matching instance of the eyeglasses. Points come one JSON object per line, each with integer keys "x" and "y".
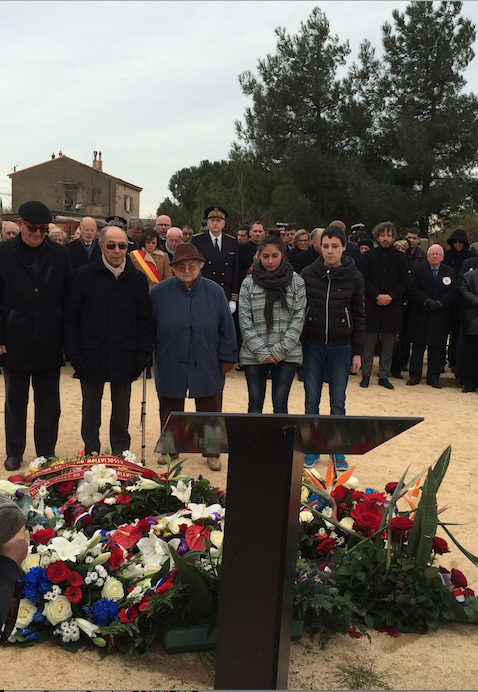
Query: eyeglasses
{"x": 189, "y": 267}
{"x": 111, "y": 246}
{"x": 34, "y": 227}
{"x": 455, "y": 242}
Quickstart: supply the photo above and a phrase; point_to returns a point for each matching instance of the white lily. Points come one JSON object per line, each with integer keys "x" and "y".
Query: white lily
{"x": 202, "y": 511}
{"x": 88, "y": 494}
{"x": 87, "y": 627}
{"x": 182, "y": 491}
{"x": 66, "y": 550}
{"x": 156, "y": 551}
{"x": 101, "y": 475}
{"x": 147, "y": 484}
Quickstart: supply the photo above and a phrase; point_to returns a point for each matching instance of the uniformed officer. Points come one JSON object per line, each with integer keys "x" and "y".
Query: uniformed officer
{"x": 220, "y": 253}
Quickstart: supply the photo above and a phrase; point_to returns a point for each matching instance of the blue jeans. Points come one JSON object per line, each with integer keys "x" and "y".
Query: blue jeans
{"x": 282, "y": 376}
{"x": 336, "y": 361}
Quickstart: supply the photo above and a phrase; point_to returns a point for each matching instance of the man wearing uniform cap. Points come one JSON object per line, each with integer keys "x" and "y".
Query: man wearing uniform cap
{"x": 34, "y": 284}
{"x": 220, "y": 252}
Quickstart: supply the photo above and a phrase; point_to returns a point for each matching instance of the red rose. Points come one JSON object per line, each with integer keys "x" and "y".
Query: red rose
{"x": 339, "y": 493}
{"x": 116, "y": 558}
{"x": 149, "y": 473}
{"x": 439, "y": 545}
{"x": 468, "y": 592}
{"x": 66, "y": 488}
{"x": 73, "y": 594}
{"x": 367, "y": 523}
{"x": 399, "y": 527}
{"x": 352, "y": 633}
{"x": 43, "y": 536}
{"x": 87, "y": 520}
{"x": 143, "y": 524}
{"x": 57, "y": 572}
{"x": 390, "y": 487}
{"x": 458, "y": 579}
{"x": 326, "y": 546}
{"x": 196, "y": 537}
{"x": 74, "y": 579}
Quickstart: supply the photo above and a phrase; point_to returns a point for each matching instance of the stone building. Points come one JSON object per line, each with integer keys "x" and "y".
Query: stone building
{"x": 74, "y": 189}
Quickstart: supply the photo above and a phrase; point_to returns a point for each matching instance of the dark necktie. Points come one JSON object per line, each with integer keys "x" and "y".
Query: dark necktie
{"x": 217, "y": 247}
{"x": 88, "y": 250}
{"x": 435, "y": 272}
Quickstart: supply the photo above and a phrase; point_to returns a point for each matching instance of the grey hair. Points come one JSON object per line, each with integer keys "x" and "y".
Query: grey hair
{"x": 383, "y": 226}
{"x": 101, "y": 239}
{"x": 174, "y": 228}
{"x": 135, "y": 222}
{"x": 315, "y": 232}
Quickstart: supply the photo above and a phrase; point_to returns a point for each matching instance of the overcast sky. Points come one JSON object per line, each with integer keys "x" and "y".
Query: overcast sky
{"x": 152, "y": 85}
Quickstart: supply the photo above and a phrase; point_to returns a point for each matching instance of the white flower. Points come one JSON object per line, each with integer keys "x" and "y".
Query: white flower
{"x": 175, "y": 520}
{"x": 87, "y": 627}
{"x": 58, "y": 610}
{"x": 7, "y": 488}
{"x": 87, "y": 493}
{"x": 147, "y": 484}
{"x": 203, "y": 512}
{"x": 26, "y": 611}
{"x": 216, "y": 538}
{"x": 49, "y": 513}
{"x": 129, "y": 456}
{"x": 53, "y": 594}
{"x": 347, "y": 523}
{"x": 182, "y": 491}
{"x": 113, "y": 589}
{"x": 135, "y": 593}
{"x": 133, "y": 571}
{"x": 43, "y": 492}
{"x": 352, "y": 483}
{"x": 156, "y": 551}
{"x": 110, "y": 501}
{"x": 31, "y": 560}
{"x": 45, "y": 561}
{"x": 66, "y": 534}
{"x": 66, "y": 550}
{"x": 38, "y": 462}
{"x": 306, "y": 516}
{"x": 304, "y": 494}
{"x": 42, "y": 549}
{"x": 101, "y": 475}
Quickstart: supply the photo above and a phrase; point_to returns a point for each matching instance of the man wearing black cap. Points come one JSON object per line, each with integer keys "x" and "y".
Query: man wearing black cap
{"x": 34, "y": 283}
{"x": 220, "y": 254}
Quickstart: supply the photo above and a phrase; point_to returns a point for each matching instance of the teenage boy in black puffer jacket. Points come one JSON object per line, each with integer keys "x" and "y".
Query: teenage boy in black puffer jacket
{"x": 334, "y": 328}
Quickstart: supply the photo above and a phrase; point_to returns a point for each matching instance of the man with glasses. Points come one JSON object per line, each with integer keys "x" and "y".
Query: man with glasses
{"x": 432, "y": 290}
{"x": 85, "y": 249}
{"x": 34, "y": 284}
{"x": 108, "y": 336}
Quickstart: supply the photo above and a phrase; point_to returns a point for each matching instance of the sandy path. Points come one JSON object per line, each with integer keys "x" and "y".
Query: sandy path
{"x": 447, "y": 659}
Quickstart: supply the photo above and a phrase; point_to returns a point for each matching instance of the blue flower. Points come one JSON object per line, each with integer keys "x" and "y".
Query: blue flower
{"x": 36, "y": 582}
{"x": 39, "y": 617}
{"x": 33, "y": 635}
{"x": 104, "y": 611}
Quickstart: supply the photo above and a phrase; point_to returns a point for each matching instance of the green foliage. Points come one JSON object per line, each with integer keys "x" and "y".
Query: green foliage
{"x": 360, "y": 676}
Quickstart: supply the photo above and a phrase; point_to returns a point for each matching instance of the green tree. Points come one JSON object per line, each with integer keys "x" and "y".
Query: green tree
{"x": 428, "y": 129}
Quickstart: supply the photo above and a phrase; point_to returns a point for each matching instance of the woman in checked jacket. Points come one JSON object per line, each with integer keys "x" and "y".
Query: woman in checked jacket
{"x": 272, "y": 304}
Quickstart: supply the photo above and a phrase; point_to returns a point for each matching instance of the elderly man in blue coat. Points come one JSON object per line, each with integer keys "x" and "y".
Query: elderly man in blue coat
{"x": 195, "y": 340}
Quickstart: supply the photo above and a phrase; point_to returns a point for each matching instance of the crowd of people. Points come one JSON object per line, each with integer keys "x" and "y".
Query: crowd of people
{"x": 122, "y": 299}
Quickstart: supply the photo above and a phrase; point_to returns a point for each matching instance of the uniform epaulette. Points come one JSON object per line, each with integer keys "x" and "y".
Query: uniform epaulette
{"x": 230, "y": 236}
{"x": 196, "y": 234}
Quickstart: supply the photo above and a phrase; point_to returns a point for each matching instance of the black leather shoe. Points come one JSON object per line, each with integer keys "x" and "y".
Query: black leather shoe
{"x": 365, "y": 382}
{"x": 385, "y": 383}
{"x": 13, "y": 463}
{"x": 468, "y": 388}
{"x": 398, "y": 377}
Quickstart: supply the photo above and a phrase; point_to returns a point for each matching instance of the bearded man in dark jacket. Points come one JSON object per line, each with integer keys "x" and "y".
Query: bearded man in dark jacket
{"x": 334, "y": 325}
{"x": 385, "y": 270}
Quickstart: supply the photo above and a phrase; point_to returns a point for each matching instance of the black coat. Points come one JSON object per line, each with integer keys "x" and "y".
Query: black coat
{"x": 469, "y": 297}
{"x": 384, "y": 271}
{"x": 305, "y": 258}
{"x": 223, "y": 270}
{"x": 78, "y": 254}
{"x": 108, "y": 322}
{"x": 33, "y": 304}
{"x": 424, "y": 325}
{"x": 335, "y": 314}
{"x": 246, "y": 254}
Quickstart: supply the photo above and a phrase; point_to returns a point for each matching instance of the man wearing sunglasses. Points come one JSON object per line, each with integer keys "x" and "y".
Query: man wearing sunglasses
{"x": 108, "y": 336}
{"x": 34, "y": 283}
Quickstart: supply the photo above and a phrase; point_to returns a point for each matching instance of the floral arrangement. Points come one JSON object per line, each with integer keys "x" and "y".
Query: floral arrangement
{"x": 119, "y": 554}
{"x": 369, "y": 559}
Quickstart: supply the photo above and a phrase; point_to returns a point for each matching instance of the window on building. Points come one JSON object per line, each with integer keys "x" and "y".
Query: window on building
{"x": 128, "y": 203}
{"x": 96, "y": 196}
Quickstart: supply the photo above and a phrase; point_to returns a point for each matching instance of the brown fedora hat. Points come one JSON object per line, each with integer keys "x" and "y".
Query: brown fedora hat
{"x": 186, "y": 251}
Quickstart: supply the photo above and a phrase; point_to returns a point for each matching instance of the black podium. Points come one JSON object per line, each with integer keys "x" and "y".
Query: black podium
{"x": 261, "y": 527}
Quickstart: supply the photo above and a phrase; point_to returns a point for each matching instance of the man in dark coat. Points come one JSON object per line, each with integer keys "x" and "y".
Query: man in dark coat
{"x": 306, "y": 257}
{"x": 84, "y": 249}
{"x": 414, "y": 253}
{"x": 432, "y": 290}
{"x": 385, "y": 271}
{"x": 220, "y": 252}
{"x": 247, "y": 250}
{"x": 108, "y": 336}
{"x": 458, "y": 253}
{"x": 34, "y": 283}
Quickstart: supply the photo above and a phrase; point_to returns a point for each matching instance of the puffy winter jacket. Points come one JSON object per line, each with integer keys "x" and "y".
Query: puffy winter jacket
{"x": 335, "y": 313}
